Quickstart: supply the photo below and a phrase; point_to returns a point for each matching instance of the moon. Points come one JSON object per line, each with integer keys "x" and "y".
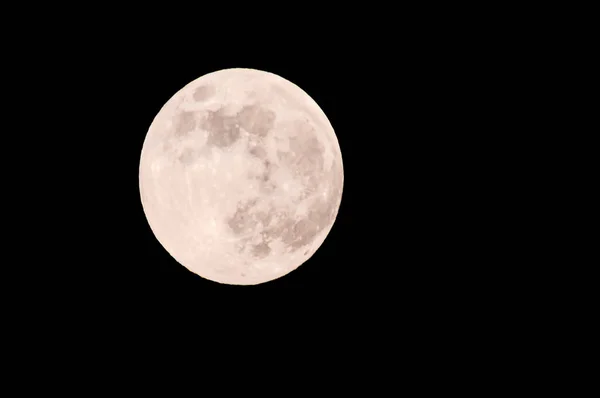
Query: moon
{"x": 241, "y": 176}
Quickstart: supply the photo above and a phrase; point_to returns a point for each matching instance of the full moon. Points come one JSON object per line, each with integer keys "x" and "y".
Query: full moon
{"x": 241, "y": 176}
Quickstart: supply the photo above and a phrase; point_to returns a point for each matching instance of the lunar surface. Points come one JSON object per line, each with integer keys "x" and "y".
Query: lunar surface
{"x": 241, "y": 176}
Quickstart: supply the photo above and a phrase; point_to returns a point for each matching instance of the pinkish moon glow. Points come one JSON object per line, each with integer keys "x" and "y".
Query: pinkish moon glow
{"x": 241, "y": 176}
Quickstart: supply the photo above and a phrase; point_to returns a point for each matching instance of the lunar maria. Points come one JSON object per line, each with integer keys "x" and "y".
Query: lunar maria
{"x": 241, "y": 176}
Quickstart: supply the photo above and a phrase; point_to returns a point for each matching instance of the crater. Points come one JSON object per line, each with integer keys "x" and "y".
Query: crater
{"x": 187, "y": 156}
{"x": 242, "y": 220}
{"x": 268, "y": 169}
{"x": 223, "y": 130}
{"x": 258, "y": 151}
{"x": 261, "y": 250}
{"x": 203, "y": 93}
{"x": 264, "y": 176}
{"x": 256, "y": 119}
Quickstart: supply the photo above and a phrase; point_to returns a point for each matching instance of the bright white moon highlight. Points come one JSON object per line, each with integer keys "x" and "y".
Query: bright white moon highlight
{"x": 241, "y": 176}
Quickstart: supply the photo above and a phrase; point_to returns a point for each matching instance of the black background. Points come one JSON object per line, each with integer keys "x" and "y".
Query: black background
{"x": 392, "y": 227}
{"x": 139, "y": 75}
{"x": 150, "y": 261}
{"x": 428, "y": 266}
{"x": 406, "y": 97}
{"x": 339, "y": 261}
{"x": 423, "y": 256}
